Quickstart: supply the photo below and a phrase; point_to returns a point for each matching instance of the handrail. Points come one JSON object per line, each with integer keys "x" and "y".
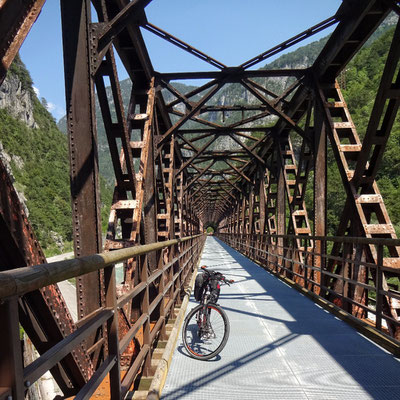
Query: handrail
{"x": 153, "y": 303}
{"x": 338, "y": 239}
{"x": 17, "y": 282}
{"x": 348, "y": 281}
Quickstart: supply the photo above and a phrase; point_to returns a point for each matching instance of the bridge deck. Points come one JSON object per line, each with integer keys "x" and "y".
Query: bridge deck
{"x": 281, "y": 346}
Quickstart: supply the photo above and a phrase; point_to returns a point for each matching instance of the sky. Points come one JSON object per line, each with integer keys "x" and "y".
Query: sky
{"x": 232, "y": 31}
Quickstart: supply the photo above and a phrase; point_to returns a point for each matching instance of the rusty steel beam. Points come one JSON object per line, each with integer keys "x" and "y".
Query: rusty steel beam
{"x": 199, "y": 175}
{"x": 359, "y": 206}
{"x": 358, "y": 20}
{"x": 240, "y": 108}
{"x": 11, "y": 373}
{"x": 194, "y": 92}
{"x": 119, "y": 130}
{"x": 230, "y": 75}
{"x": 232, "y": 130}
{"x": 114, "y": 26}
{"x": 388, "y": 96}
{"x": 177, "y": 94}
{"x": 81, "y": 125}
{"x": 200, "y": 151}
{"x": 274, "y": 110}
{"x": 196, "y": 118}
{"x": 290, "y": 42}
{"x": 238, "y": 171}
{"x": 320, "y": 189}
{"x": 16, "y": 20}
{"x": 188, "y": 115}
{"x": 248, "y": 150}
{"x": 182, "y": 45}
{"x": 230, "y": 183}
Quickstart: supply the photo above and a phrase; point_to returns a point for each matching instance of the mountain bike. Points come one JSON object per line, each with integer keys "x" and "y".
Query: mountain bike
{"x": 206, "y": 327}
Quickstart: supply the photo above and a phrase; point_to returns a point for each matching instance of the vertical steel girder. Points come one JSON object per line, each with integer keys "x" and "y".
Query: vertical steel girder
{"x": 81, "y": 125}
{"x": 272, "y": 199}
{"x": 320, "y": 187}
{"x": 11, "y": 373}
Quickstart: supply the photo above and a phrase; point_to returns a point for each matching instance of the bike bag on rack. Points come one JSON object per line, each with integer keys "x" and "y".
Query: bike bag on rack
{"x": 215, "y": 288}
{"x": 199, "y": 286}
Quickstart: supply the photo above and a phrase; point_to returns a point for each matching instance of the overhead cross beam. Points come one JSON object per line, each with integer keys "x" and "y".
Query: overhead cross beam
{"x": 182, "y": 45}
{"x": 290, "y": 42}
{"x": 274, "y": 110}
{"x": 188, "y": 115}
{"x": 119, "y": 22}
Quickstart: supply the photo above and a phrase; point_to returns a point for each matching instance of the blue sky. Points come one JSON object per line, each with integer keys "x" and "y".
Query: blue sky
{"x": 232, "y": 31}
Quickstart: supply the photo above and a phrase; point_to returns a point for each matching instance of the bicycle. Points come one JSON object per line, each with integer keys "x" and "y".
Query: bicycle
{"x": 206, "y": 327}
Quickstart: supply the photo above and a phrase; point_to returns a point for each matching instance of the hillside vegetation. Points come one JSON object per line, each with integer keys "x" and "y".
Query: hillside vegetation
{"x": 40, "y": 165}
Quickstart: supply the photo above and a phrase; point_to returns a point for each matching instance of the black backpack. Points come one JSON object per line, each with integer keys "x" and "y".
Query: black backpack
{"x": 200, "y": 285}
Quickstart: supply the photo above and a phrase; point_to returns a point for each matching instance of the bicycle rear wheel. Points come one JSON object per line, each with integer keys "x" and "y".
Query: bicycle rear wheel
{"x": 204, "y": 337}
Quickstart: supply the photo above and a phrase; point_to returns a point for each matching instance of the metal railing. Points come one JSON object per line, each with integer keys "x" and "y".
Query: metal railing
{"x": 356, "y": 280}
{"x": 177, "y": 262}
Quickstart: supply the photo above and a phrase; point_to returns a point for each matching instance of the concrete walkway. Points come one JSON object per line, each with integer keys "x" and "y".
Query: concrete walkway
{"x": 281, "y": 346}
{"x": 68, "y": 290}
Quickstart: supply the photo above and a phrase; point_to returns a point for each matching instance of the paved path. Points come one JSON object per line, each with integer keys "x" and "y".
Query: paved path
{"x": 68, "y": 290}
{"x": 281, "y": 346}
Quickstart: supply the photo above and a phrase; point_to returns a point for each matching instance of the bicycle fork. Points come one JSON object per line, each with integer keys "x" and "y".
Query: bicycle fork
{"x": 204, "y": 324}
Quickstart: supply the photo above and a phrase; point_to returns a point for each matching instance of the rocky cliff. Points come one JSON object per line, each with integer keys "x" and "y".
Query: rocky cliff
{"x": 17, "y": 100}
{"x": 35, "y": 153}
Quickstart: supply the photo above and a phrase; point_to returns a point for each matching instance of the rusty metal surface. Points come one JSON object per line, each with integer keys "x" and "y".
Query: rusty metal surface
{"x": 83, "y": 147}
{"x": 364, "y": 198}
{"x": 41, "y": 310}
{"x": 16, "y": 20}
{"x": 144, "y": 332}
{"x": 12, "y": 371}
{"x": 175, "y": 175}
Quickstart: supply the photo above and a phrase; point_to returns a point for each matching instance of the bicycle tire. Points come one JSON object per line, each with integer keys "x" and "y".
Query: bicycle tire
{"x": 198, "y": 346}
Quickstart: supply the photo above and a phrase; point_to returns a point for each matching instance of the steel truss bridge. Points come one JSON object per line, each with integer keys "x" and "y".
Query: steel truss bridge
{"x": 184, "y": 162}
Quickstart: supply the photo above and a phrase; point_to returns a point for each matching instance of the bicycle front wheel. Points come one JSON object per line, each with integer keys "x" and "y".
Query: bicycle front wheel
{"x": 205, "y": 331}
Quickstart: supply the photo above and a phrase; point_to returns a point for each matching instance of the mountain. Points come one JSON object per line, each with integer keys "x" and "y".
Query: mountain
{"x": 35, "y": 152}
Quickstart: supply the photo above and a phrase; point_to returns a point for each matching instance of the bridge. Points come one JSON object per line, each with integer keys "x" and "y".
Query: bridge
{"x": 281, "y": 345}
{"x": 173, "y": 182}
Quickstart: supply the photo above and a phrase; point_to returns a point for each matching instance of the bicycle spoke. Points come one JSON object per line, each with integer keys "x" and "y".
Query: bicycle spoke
{"x": 204, "y": 336}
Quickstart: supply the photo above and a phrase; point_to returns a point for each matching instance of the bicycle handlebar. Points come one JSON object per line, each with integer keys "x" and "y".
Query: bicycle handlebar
{"x": 217, "y": 275}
